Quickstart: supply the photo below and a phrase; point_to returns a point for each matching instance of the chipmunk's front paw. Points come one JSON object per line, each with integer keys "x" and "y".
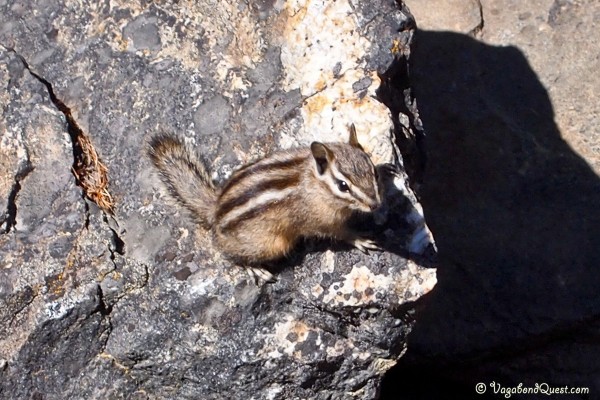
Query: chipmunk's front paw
{"x": 365, "y": 245}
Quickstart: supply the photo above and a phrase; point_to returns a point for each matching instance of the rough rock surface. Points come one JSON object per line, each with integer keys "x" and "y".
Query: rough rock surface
{"x": 138, "y": 304}
{"x": 511, "y": 193}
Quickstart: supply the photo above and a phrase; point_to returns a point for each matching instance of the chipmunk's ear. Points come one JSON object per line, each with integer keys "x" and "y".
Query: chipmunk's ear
{"x": 353, "y": 140}
{"x": 323, "y": 156}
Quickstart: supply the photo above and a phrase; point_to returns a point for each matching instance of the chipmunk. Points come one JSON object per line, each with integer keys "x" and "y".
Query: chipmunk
{"x": 265, "y": 207}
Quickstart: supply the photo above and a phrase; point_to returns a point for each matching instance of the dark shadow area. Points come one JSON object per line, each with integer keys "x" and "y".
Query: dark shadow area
{"x": 396, "y": 93}
{"x": 516, "y": 216}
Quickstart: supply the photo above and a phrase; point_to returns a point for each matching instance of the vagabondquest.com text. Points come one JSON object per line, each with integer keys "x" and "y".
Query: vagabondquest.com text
{"x": 538, "y": 388}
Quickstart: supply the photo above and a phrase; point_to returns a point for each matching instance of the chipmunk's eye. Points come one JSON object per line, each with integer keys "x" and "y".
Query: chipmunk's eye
{"x": 343, "y": 186}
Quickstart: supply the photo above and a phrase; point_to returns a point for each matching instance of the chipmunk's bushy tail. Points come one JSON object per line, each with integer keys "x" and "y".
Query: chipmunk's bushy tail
{"x": 185, "y": 177}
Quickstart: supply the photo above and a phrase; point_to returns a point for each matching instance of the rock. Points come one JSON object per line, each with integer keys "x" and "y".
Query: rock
{"x": 110, "y": 291}
{"x": 553, "y": 36}
{"x": 510, "y": 191}
{"x": 463, "y": 16}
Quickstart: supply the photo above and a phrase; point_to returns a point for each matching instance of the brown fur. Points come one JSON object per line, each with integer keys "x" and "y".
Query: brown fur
{"x": 260, "y": 213}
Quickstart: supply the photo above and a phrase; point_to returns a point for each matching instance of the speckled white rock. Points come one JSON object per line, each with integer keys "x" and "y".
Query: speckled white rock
{"x": 337, "y": 89}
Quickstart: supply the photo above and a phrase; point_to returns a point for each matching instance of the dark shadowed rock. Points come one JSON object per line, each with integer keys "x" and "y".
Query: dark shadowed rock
{"x": 511, "y": 192}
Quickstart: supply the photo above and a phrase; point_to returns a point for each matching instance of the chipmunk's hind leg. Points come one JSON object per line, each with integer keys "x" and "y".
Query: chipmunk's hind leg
{"x": 256, "y": 251}
{"x": 260, "y": 275}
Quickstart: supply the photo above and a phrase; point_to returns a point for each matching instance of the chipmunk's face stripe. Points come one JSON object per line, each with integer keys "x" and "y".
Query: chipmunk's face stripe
{"x": 263, "y": 166}
{"x": 366, "y": 202}
{"x": 371, "y": 199}
{"x": 259, "y": 204}
{"x": 253, "y": 192}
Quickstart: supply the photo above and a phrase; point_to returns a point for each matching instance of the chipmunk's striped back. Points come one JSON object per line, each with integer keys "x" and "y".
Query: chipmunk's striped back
{"x": 272, "y": 182}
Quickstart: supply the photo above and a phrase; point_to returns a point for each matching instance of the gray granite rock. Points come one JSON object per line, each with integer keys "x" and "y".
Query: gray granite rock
{"x": 463, "y": 16}
{"x": 132, "y": 300}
